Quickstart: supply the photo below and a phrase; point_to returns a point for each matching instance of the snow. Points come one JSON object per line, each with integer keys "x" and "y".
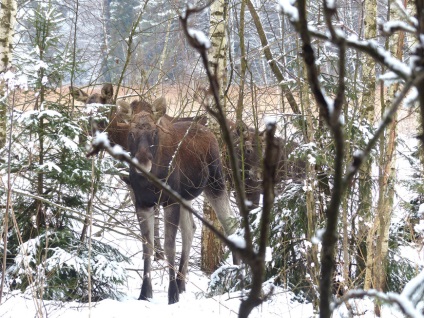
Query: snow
{"x": 237, "y": 240}
{"x": 101, "y": 139}
{"x": 200, "y": 37}
{"x": 118, "y": 150}
{"x": 191, "y": 304}
{"x": 270, "y": 120}
{"x": 287, "y": 7}
{"x": 392, "y": 25}
{"x": 331, "y": 4}
{"x": 421, "y": 209}
{"x": 318, "y": 236}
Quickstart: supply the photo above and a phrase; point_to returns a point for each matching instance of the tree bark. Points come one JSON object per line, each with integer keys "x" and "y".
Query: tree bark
{"x": 368, "y": 104}
{"x": 387, "y": 175}
{"x": 7, "y": 23}
{"x": 105, "y": 71}
{"x": 212, "y": 248}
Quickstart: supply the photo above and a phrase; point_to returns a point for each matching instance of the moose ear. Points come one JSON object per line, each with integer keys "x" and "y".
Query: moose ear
{"x": 159, "y": 107}
{"x": 164, "y": 124}
{"x": 78, "y": 94}
{"x": 107, "y": 91}
{"x": 124, "y": 110}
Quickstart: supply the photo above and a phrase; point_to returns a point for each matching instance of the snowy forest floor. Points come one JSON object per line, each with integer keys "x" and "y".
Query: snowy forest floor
{"x": 193, "y": 302}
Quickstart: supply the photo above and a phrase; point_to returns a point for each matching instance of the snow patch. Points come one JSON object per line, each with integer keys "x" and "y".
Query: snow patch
{"x": 200, "y": 37}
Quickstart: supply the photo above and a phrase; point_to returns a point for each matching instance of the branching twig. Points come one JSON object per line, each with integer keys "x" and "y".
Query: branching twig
{"x": 403, "y": 302}
{"x": 117, "y": 153}
{"x": 218, "y": 113}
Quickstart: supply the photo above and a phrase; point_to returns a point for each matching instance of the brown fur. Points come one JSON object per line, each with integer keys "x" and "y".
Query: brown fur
{"x": 249, "y": 147}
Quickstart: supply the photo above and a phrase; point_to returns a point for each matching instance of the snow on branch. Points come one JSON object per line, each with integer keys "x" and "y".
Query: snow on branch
{"x": 101, "y": 142}
{"x": 404, "y": 304}
{"x": 287, "y": 7}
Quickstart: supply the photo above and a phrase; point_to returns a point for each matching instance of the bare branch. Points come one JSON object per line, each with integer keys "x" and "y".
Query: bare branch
{"x": 117, "y": 153}
{"x": 403, "y": 302}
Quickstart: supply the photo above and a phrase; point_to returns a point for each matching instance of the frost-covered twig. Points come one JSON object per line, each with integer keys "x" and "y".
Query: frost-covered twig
{"x": 218, "y": 113}
{"x": 404, "y": 303}
{"x": 369, "y": 47}
{"x": 101, "y": 142}
{"x": 360, "y": 156}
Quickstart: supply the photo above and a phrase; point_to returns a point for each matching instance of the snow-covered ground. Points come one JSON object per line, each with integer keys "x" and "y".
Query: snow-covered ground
{"x": 194, "y": 302}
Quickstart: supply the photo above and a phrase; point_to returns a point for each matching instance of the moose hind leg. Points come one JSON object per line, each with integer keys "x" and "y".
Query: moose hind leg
{"x": 159, "y": 255}
{"x": 188, "y": 228}
{"x": 220, "y": 203}
{"x": 172, "y": 218}
{"x": 146, "y": 220}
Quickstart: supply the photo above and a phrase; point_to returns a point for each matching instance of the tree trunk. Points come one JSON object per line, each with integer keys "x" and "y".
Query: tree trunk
{"x": 7, "y": 23}
{"x": 212, "y": 247}
{"x": 271, "y": 61}
{"x": 105, "y": 71}
{"x": 368, "y": 104}
{"x": 311, "y": 215}
{"x": 387, "y": 175}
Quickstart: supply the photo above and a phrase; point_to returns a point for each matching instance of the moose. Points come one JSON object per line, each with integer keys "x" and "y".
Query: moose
{"x": 186, "y": 156}
{"x": 249, "y": 146}
{"x": 118, "y": 128}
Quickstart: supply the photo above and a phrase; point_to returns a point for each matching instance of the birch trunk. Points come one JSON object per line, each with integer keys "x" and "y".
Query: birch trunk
{"x": 387, "y": 175}
{"x": 105, "y": 71}
{"x": 368, "y": 104}
{"x": 211, "y": 247}
{"x": 7, "y": 23}
{"x": 312, "y": 251}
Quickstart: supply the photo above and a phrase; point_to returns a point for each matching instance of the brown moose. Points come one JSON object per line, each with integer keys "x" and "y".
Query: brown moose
{"x": 249, "y": 147}
{"x": 186, "y": 156}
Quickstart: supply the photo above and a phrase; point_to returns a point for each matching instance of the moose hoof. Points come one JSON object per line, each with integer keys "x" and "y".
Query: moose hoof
{"x": 173, "y": 293}
{"x": 146, "y": 290}
{"x": 159, "y": 256}
{"x": 181, "y": 285}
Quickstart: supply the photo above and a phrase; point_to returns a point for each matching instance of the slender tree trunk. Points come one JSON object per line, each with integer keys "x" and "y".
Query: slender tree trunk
{"x": 387, "y": 175}
{"x": 105, "y": 71}
{"x": 7, "y": 23}
{"x": 212, "y": 247}
{"x": 243, "y": 63}
{"x": 271, "y": 61}
{"x": 311, "y": 215}
{"x": 161, "y": 73}
{"x": 368, "y": 104}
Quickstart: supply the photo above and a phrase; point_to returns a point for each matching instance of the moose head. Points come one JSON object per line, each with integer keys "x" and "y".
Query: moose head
{"x": 105, "y": 96}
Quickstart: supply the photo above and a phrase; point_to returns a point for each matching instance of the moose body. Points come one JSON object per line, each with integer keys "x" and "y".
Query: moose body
{"x": 248, "y": 144}
{"x": 248, "y": 150}
{"x": 185, "y": 155}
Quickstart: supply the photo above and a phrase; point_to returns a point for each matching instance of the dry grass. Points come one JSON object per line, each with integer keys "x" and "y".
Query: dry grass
{"x": 186, "y": 100}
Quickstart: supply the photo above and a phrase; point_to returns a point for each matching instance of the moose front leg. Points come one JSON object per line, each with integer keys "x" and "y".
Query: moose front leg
{"x": 172, "y": 217}
{"x": 146, "y": 218}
